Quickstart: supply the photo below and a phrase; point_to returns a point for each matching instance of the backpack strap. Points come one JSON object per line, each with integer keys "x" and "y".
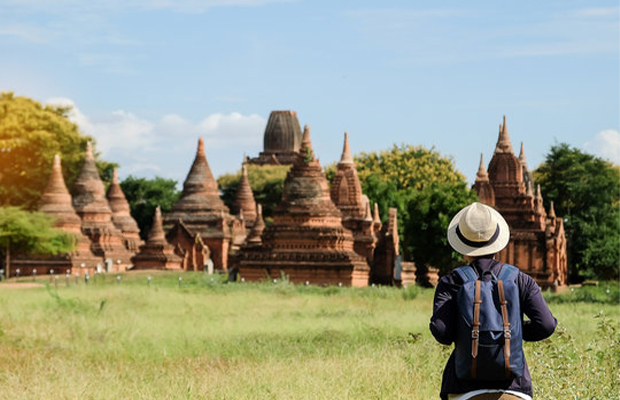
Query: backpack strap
{"x": 506, "y": 323}
{"x": 466, "y": 273}
{"x": 475, "y": 330}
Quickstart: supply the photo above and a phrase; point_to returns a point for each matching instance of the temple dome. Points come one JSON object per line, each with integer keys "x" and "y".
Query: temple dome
{"x": 283, "y": 132}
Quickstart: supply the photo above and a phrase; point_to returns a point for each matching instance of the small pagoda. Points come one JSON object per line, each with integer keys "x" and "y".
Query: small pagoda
{"x": 346, "y": 193}
{"x": 200, "y": 219}
{"x": 281, "y": 140}
{"x": 157, "y": 253}
{"x": 56, "y": 202}
{"x": 244, "y": 204}
{"x": 90, "y": 203}
{"x": 307, "y": 241}
{"x": 537, "y": 241}
{"x": 121, "y": 216}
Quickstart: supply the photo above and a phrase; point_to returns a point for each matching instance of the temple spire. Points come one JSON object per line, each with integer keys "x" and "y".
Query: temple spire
{"x": 551, "y": 210}
{"x": 376, "y": 220}
{"x": 482, "y": 175}
{"x": 156, "y": 234}
{"x": 503, "y": 141}
{"x": 522, "y": 156}
{"x": 346, "y": 158}
{"x": 244, "y": 202}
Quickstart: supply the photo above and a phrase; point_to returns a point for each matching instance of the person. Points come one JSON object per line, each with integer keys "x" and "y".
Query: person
{"x": 479, "y": 232}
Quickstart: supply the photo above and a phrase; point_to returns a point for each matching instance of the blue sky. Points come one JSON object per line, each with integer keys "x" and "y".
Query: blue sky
{"x": 148, "y": 77}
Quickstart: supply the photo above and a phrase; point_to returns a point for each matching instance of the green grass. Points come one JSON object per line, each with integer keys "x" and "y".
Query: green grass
{"x": 205, "y": 339}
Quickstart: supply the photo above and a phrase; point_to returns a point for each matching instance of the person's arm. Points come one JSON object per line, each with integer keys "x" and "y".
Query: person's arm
{"x": 442, "y": 324}
{"x": 541, "y": 322}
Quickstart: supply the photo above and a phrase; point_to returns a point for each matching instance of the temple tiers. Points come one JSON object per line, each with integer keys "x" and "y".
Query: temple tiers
{"x": 204, "y": 218}
{"x": 307, "y": 241}
{"x": 281, "y": 140}
{"x": 538, "y": 244}
{"x": 91, "y": 205}
{"x": 346, "y": 193}
{"x": 157, "y": 253}
{"x": 244, "y": 202}
{"x": 121, "y": 216}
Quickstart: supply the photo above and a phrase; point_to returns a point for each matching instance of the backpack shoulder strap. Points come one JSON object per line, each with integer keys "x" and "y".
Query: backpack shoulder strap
{"x": 508, "y": 273}
{"x": 466, "y": 273}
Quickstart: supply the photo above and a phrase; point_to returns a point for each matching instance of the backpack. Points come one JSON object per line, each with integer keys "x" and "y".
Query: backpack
{"x": 489, "y": 336}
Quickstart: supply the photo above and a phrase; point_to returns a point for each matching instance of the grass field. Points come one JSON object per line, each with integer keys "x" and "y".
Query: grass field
{"x": 204, "y": 339}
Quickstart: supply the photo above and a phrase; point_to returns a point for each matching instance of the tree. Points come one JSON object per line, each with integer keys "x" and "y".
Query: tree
{"x": 426, "y": 189}
{"x": 30, "y": 136}
{"x": 144, "y": 195}
{"x": 267, "y": 182}
{"x": 585, "y": 191}
{"x": 30, "y": 232}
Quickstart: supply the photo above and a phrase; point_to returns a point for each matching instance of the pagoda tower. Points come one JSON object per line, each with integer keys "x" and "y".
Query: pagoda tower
{"x": 244, "y": 203}
{"x": 202, "y": 214}
{"x": 346, "y": 193}
{"x": 56, "y": 202}
{"x": 281, "y": 140}
{"x": 307, "y": 241}
{"x": 537, "y": 242}
{"x": 121, "y": 216}
{"x": 91, "y": 205}
{"x": 254, "y": 238}
{"x": 157, "y": 253}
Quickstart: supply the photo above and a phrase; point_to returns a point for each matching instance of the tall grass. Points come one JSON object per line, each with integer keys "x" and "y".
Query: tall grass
{"x": 205, "y": 339}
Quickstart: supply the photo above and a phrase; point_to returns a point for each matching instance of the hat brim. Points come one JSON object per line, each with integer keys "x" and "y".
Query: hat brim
{"x": 497, "y": 245}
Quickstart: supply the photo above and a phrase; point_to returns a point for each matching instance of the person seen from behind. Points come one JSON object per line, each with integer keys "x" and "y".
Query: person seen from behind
{"x": 480, "y": 308}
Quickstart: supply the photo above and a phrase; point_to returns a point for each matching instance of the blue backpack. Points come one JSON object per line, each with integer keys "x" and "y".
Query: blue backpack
{"x": 489, "y": 335}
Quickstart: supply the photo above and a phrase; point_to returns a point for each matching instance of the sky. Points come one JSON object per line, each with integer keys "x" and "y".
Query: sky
{"x": 147, "y": 78}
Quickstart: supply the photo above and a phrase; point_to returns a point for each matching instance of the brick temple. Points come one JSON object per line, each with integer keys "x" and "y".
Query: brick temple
{"x": 157, "y": 253}
{"x": 199, "y": 223}
{"x": 307, "y": 241}
{"x": 281, "y": 140}
{"x": 537, "y": 242}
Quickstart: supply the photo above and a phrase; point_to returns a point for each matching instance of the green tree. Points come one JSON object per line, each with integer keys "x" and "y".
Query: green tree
{"x": 30, "y": 232}
{"x": 144, "y": 195}
{"x": 267, "y": 182}
{"x": 30, "y": 136}
{"x": 426, "y": 189}
{"x": 585, "y": 191}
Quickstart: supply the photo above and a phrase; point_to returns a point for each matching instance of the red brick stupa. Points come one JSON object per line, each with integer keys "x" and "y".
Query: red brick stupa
{"x": 121, "y": 216}
{"x": 91, "y": 205}
{"x": 307, "y": 241}
{"x": 244, "y": 203}
{"x": 537, "y": 242}
{"x": 200, "y": 218}
{"x": 56, "y": 202}
{"x": 346, "y": 193}
{"x": 157, "y": 253}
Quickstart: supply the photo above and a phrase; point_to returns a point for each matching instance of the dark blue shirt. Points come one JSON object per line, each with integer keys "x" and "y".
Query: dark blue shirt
{"x": 540, "y": 325}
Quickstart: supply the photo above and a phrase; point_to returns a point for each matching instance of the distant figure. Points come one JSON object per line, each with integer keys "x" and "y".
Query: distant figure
{"x": 480, "y": 307}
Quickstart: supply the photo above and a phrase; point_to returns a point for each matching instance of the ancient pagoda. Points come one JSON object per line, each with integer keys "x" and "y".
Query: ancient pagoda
{"x": 281, "y": 140}
{"x": 91, "y": 205}
{"x": 157, "y": 253}
{"x": 537, "y": 242}
{"x": 346, "y": 193}
{"x": 307, "y": 241}
{"x": 121, "y": 216}
{"x": 244, "y": 203}
{"x": 56, "y": 202}
{"x": 200, "y": 218}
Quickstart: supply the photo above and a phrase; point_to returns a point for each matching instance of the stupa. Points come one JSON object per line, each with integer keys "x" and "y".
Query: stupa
{"x": 200, "y": 218}
{"x": 244, "y": 203}
{"x": 121, "y": 216}
{"x": 91, "y": 205}
{"x": 307, "y": 241}
{"x": 157, "y": 253}
{"x": 281, "y": 140}
{"x": 537, "y": 241}
{"x": 56, "y": 202}
{"x": 346, "y": 193}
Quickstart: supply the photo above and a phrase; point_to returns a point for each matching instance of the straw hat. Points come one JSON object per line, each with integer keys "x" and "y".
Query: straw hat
{"x": 478, "y": 230}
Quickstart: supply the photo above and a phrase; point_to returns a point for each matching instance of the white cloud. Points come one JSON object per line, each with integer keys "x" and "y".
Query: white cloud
{"x": 606, "y": 144}
{"x": 167, "y": 146}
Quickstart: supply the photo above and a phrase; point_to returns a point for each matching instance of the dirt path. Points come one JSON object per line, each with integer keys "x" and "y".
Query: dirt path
{"x": 17, "y": 285}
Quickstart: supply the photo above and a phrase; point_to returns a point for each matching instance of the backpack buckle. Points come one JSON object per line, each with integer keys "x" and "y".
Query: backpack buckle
{"x": 475, "y": 334}
{"x": 507, "y": 334}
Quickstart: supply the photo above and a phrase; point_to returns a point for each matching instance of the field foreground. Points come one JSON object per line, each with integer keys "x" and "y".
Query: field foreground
{"x": 203, "y": 339}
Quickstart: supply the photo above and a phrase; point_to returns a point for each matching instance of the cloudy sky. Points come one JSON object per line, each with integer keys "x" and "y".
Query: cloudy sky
{"x": 148, "y": 77}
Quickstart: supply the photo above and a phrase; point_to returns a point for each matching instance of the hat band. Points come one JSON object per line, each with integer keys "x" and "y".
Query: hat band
{"x": 471, "y": 243}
